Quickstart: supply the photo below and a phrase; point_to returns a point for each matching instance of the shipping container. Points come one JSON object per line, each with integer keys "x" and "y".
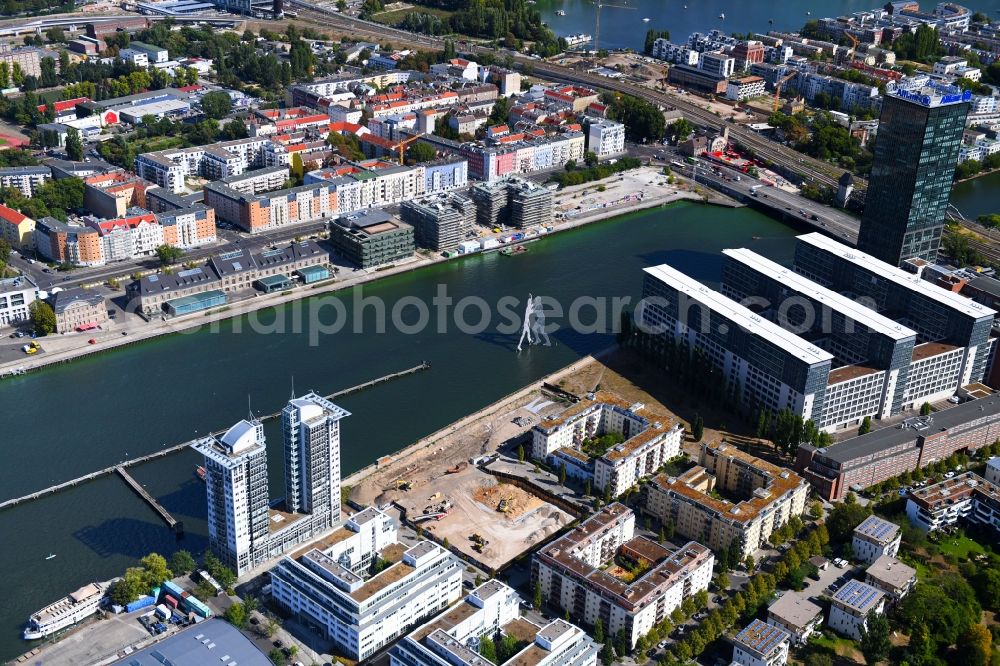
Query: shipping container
{"x": 170, "y": 601}
{"x": 489, "y": 243}
{"x": 141, "y": 602}
{"x": 163, "y": 611}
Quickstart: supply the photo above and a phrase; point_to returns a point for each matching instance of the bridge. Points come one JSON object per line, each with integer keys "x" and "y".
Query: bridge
{"x": 121, "y": 466}
{"x": 150, "y": 500}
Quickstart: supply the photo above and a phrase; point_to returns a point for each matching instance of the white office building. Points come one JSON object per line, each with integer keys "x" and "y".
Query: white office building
{"x": 716, "y": 63}
{"x": 491, "y": 609}
{"x": 875, "y": 537}
{"x": 363, "y": 588}
{"x": 236, "y": 486}
{"x": 851, "y": 605}
{"x": 761, "y": 644}
{"x": 606, "y": 138}
{"x": 16, "y": 296}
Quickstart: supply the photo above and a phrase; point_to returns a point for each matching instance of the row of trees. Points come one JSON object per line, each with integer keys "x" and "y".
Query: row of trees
{"x": 593, "y": 171}
{"x": 54, "y": 198}
{"x": 970, "y": 168}
{"x": 643, "y": 121}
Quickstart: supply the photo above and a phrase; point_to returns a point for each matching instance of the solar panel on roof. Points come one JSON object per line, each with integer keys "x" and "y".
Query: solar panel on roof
{"x": 225, "y": 256}
{"x": 189, "y": 272}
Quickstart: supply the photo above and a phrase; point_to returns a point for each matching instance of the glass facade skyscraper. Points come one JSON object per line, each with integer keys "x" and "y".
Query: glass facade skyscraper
{"x": 916, "y": 152}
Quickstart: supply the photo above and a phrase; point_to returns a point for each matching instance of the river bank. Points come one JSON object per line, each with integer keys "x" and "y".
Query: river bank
{"x": 58, "y": 349}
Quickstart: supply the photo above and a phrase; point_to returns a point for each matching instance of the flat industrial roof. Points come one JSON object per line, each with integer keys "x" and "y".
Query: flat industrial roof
{"x": 211, "y": 641}
{"x": 803, "y": 285}
{"x": 740, "y": 315}
{"x": 957, "y": 302}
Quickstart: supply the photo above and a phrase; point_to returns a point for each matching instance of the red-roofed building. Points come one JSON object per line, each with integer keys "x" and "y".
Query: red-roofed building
{"x": 16, "y": 228}
{"x": 64, "y": 109}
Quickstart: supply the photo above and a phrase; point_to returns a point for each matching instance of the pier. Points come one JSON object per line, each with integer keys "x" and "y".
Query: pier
{"x": 150, "y": 500}
{"x": 121, "y": 466}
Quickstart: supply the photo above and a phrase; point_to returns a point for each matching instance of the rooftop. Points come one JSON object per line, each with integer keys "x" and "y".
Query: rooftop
{"x": 891, "y": 572}
{"x": 877, "y": 530}
{"x": 382, "y": 580}
{"x": 761, "y": 638}
{"x": 794, "y": 610}
{"x": 956, "y": 489}
{"x": 838, "y": 303}
{"x": 858, "y": 596}
{"x": 212, "y": 641}
{"x": 897, "y": 276}
{"x": 740, "y": 315}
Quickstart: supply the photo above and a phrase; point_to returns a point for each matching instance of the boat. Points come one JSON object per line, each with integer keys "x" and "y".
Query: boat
{"x": 66, "y": 612}
{"x": 646, "y": 20}
{"x": 722, "y": 16}
{"x": 199, "y": 471}
{"x": 560, "y": 12}
{"x": 576, "y": 40}
{"x": 51, "y": 556}
{"x": 511, "y": 251}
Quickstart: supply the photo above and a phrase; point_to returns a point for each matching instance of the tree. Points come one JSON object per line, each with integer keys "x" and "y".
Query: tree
{"x": 975, "y": 646}
{"x": 43, "y": 317}
{"x": 276, "y": 656}
{"x": 236, "y": 615}
{"x": 537, "y": 599}
{"x": 925, "y": 409}
{"x": 874, "y": 641}
{"x": 562, "y": 474}
{"x": 844, "y": 517}
{"x": 987, "y": 585}
{"x": 74, "y": 145}
{"x": 155, "y": 566}
{"x": 130, "y": 587}
{"x": 168, "y": 254}
{"x": 651, "y": 36}
{"x": 599, "y": 631}
{"x": 590, "y": 158}
{"x": 297, "y": 170}
{"x": 520, "y": 452}
{"x": 216, "y": 104}
{"x": 663, "y": 534}
{"x": 420, "y": 152}
{"x": 607, "y": 652}
{"x": 697, "y": 428}
{"x": 488, "y": 649}
{"x": 182, "y": 562}
{"x": 643, "y": 121}
{"x": 866, "y": 426}
{"x": 680, "y": 130}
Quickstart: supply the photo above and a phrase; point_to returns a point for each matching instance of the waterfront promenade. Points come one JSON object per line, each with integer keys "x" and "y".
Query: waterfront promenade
{"x": 62, "y": 349}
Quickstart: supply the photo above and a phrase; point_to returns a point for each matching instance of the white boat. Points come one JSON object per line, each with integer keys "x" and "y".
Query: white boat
{"x": 722, "y": 16}
{"x": 576, "y": 40}
{"x": 646, "y": 20}
{"x": 51, "y": 556}
{"x": 560, "y": 12}
{"x": 67, "y": 611}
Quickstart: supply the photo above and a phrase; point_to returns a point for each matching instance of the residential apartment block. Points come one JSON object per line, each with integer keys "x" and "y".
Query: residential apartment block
{"x": 649, "y": 439}
{"x": 16, "y": 296}
{"x": 25, "y": 178}
{"x": 491, "y": 609}
{"x": 851, "y": 605}
{"x": 370, "y": 184}
{"x": 16, "y": 229}
{"x": 169, "y": 168}
{"x": 875, "y": 537}
{"x": 697, "y": 502}
{"x": 522, "y": 152}
{"x": 967, "y": 497}
{"x": 333, "y": 584}
{"x": 112, "y": 195}
{"x": 860, "y": 462}
{"x": 266, "y": 211}
{"x": 440, "y": 221}
{"x": 794, "y": 613}
{"x": 605, "y": 138}
{"x": 761, "y": 644}
{"x": 244, "y": 528}
{"x": 571, "y": 574}
{"x": 371, "y": 238}
{"x": 892, "y": 577}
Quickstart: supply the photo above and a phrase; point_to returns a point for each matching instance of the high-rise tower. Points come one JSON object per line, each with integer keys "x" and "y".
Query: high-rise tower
{"x": 916, "y": 152}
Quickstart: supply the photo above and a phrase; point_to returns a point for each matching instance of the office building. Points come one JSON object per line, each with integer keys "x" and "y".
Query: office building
{"x": 360, "y": 608}
{"x": 244, "y": 527}
{"x": 571, "y": 573}
{"x": 860, "y": 462}
{"x": 761, "y": 644}
{"x": 605, "y": 138}
{"x": 875, "y": 537}
{"x": 16, "y": 229}
{"x": 16, "y": 296}
{"x": 311, "y": 429}
{"x": 491, "y": 609}
{"x": 729, "y": 496}
{"x": 794, "y": 613}
{"x": 371, "y": 238}
{"x": 765, "y": 366}
{"x": 236, "y": 488}
{"x": 968, "y": 497}
{"x": 953, "y": 343}
{"x": 851, "y": 605}
{"x": 891, "y": 576}
{"x": 743, "y": 88}
{"x": 915, "y": 153}
{"x": 78, "y": 309}
{"x": 872, "y": 353}
{"x": 649, "y": 439}
{"x": 440, "y": 222}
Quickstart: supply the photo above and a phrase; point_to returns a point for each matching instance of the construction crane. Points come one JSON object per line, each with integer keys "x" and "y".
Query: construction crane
{"x": 403, "y": 143}
{"x": 777, "y": 90}
{"x": 597, "y": 22}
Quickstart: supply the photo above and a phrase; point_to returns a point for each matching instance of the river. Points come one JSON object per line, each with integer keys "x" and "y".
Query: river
{"x": 625, "y": 28}
{"x": 82, "y": 416}
{"x": 978, "y": 196}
